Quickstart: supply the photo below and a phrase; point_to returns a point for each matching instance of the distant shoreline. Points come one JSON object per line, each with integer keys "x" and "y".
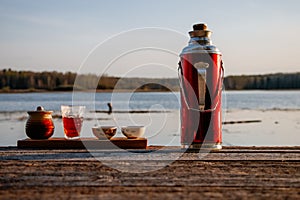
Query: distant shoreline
{"x": 118, "y": 90}
{"x": 61, "y": 91}
{"x": 27, "y": 81}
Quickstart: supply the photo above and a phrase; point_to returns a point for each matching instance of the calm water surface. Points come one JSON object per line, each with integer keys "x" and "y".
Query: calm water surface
{"x": 162, "y": 128}
{"x": 144, "y": 101}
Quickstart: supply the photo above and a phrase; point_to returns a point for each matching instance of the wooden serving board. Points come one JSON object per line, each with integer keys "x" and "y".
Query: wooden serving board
{"x": 83, "y": 143}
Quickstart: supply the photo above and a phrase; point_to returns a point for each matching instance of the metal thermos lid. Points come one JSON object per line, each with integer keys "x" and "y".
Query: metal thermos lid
{"x": 200, "y": 41}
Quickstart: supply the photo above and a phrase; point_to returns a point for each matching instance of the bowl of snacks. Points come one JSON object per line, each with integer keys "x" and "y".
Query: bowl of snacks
{"x": 133, "y": 132}
{"x": 104, "y": 132}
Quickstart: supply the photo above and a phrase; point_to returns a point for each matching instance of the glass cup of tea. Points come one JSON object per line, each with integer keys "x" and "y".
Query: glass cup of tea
{"x": 72, "y": 117}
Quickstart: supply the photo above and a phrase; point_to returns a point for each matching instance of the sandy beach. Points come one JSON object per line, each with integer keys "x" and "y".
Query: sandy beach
{"x": 277, "y": 127}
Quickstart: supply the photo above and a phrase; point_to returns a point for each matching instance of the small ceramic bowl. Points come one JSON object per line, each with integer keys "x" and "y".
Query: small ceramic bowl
{"x": 103, "y": 132}
{"x": 133, "y": 132}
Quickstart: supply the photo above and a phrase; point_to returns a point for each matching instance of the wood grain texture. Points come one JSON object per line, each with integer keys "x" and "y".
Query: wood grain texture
{"x": 231, "y": 173}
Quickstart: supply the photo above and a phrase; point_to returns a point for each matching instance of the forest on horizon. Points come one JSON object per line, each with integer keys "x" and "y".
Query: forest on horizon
{"x": 29, "y": 81}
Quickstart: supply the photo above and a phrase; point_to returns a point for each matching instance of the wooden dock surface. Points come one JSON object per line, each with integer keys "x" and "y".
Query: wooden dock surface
{"x": 169, "y": 173}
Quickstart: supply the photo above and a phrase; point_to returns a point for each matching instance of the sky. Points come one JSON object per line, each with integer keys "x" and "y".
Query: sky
{"x": 95, "y": 36}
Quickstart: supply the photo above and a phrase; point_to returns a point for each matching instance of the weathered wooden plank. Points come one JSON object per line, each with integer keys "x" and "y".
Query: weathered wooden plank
{"x": 23, "y": 177}
{"x": 268, "y": 173}
{"x": 151, "y": 193}
{"x": 167, "y": 153}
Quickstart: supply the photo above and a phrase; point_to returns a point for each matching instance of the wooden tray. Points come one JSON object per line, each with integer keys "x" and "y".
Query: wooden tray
{"x": 83, "y": 143}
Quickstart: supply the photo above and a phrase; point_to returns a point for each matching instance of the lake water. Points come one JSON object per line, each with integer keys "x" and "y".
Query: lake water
{"x": 163, "y": 128}
{"x": 145, "y": 101}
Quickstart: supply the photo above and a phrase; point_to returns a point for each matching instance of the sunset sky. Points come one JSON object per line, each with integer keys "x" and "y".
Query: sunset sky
{"x": 255, "y": 36}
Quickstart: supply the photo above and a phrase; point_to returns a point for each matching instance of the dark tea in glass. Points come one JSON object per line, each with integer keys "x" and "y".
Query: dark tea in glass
{"x": 72, "y": 117}
{"x": 72, "y": 127}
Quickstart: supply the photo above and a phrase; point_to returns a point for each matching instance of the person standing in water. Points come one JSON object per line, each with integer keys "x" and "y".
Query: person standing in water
{"x": 109, "y": 108}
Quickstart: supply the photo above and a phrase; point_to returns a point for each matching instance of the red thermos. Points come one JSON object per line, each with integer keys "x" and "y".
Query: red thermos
{"x": 201, "y": 75}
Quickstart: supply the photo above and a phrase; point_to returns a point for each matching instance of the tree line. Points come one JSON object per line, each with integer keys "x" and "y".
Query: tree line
{"x": 11, "y": 80}
{"x": 278, "y": 81}
{"x": 28, "y": 80}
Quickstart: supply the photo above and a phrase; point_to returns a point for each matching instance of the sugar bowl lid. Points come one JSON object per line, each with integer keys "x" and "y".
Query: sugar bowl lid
{"x": 40, "y": 110}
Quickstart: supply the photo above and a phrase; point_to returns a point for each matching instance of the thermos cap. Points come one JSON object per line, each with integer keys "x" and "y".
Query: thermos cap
{"x": 200, "y": 30}
{"x": 200, "y": 27}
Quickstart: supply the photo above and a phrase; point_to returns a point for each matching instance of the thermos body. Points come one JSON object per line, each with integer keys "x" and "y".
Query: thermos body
{"x": 201, "y": 75}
